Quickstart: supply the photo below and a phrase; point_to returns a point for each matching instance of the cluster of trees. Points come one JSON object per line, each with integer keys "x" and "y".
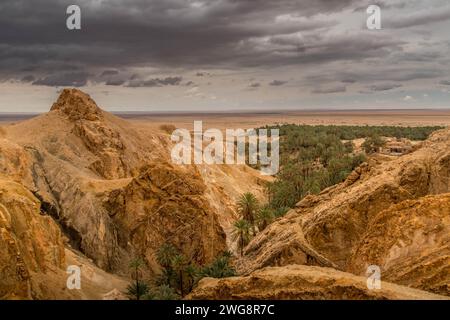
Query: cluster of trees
{"x": 179, "y": 275}
{"x": 373, "y": 144}
{"x": 356, "y": 132}
{"x": 315, "y": 157}
{"x": 254, "y": 217}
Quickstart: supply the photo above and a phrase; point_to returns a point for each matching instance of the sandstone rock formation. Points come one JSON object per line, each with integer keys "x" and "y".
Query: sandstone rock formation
{"x": 410, "y": 242}
{"x": 166, "y": 204}
{"x": 79, "y": 186}
{"x": 79, "y": 156}
{"x": 29, "y": 242}
{"x": 371, "y": 211}
{"x": 111, "y": 193}
{"x": 299, "y": 282}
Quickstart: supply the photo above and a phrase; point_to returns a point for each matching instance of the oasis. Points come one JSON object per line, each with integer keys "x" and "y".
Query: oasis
{"x": 218, "y": 151}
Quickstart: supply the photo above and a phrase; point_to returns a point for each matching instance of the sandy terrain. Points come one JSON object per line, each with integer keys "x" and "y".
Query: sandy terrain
{"x": 254, "y": 120}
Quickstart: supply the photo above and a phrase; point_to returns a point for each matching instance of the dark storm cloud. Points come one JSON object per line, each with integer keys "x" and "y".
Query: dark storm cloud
{"x": 75, "y": 79}
{"x": 28, "y": 78}
{"x": 107, "y": 73}
{"x": 381, "y": 73}
{"x": 419, "y": 18}
{"x": 384, "y": 86}
{"x": 156, "y": 82}
{"x": 133, "y": 33}
{"x": 198, "y": 35}
{"x": 329, "y": 90}
{"x": 115, "y": 82}
{"x": 277, "y": 83}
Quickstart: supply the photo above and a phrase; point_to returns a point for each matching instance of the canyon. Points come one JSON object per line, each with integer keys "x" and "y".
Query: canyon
{"x": 80, "y": 186}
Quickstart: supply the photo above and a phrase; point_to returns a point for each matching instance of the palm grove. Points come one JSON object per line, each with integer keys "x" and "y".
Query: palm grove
{"x": 312, "y": 159}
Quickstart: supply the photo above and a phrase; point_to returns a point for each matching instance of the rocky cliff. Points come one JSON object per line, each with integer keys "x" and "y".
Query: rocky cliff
{"x": 79, "y": 186}
{"x": 299, "y": 282}
{"x": 380, "y": 215}
{"x": 104, "y": 192}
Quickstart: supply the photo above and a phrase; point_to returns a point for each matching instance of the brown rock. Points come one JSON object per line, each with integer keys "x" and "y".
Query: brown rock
{"x": 334, "y": 223}
{"x": 29, "y": 242}
{"x": 410, "y": 243}
{"x": 297, "y": 282}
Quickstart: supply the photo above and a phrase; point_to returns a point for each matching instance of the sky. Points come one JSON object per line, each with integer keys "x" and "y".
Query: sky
{"x": 226, "y": 55}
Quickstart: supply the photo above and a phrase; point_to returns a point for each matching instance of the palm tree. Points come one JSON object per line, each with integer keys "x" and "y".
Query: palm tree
{"x": 265, "y": 217}
{"x": 241, "y": 234}
{"x": 165, "y": 292}
{"x": 165, "y": 255}
{"x": 138, "y": 288}
{"x": 227, "y": 254}
{"x": 179, "y": 264}
{"x": 247, "y": 207}
{"x": 220, "y": 268}
{"x": 192, "y": 273}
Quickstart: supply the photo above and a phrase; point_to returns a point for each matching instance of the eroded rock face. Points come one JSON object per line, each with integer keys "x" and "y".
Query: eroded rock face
{"x": 78, "y": 157}
{"x": 281, "y": 244}
{"x": 77, "y": 106}
{"x": 165, "y": 204}
{"x": 334, "y": 223}
{"x": 101, "y": 138}
{"x": 410, "y": 243}
{"x": 29, "y": 242}
{"x": 299, "y": 282}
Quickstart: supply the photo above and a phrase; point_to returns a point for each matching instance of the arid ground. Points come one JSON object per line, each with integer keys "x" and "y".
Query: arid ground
{"x": 247, "y": 120}
{"x": 82, "y": 187}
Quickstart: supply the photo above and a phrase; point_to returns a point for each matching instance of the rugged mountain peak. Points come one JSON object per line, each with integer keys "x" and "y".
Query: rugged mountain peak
{"x": 77, "y": 105}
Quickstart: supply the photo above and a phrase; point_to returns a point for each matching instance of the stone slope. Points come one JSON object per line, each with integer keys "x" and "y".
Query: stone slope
{"x": 410, "y": 243}
{"x": 29, "y": 242}
{"x": 299, "y": 282}
{"x": 80, "y": 155}
{"x": 334, "y": 222}
{"x": 77, "y": 158}
{"x": 33, "y": 257}
{"x": 166, "y": 204}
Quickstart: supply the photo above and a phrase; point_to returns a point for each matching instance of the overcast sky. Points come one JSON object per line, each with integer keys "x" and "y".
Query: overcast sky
{"x": 216, "y": 55}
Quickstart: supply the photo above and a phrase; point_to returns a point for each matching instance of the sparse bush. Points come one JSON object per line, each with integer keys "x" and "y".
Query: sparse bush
{"x": 219, "y": 268}
{"x": 241, "y": 234}
{"x": 168, "y": 128}
{"x": 137, "y": 290}
{"x": 373, "y": 144}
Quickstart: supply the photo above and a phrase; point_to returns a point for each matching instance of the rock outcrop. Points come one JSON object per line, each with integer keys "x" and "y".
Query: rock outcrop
{"x": 79, "y": 186}
{"x": 29, "y": 242}
{"x": 165, "y": 204}
{"x": 299, "y": 282}
{"x": 410, "y": 242}
{"x": 376, "y": 196}
{"x": 109, "y": 186}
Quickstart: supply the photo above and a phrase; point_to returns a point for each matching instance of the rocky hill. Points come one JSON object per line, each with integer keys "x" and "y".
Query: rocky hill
{"x": 299, "y": 282}
{"x": 79, "y": 186}
{"x": 380, "y": 215}
{"x": 105, "y": 191}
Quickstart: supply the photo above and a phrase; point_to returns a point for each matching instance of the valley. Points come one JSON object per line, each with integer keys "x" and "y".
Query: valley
{"x": 81, "y": 186}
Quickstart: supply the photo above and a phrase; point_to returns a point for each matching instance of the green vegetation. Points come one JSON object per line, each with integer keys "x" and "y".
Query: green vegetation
{"x": 353, "y": 132}
{"x": 241, "y": 234}
{"x": 265, "y": 217}
{"x": 248, "y": 206}
{"x": 137, "y": 289}
{"x": 373, "y": 144}
{"x": 178, "y": 277}
{"x": 313, "y": 158}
